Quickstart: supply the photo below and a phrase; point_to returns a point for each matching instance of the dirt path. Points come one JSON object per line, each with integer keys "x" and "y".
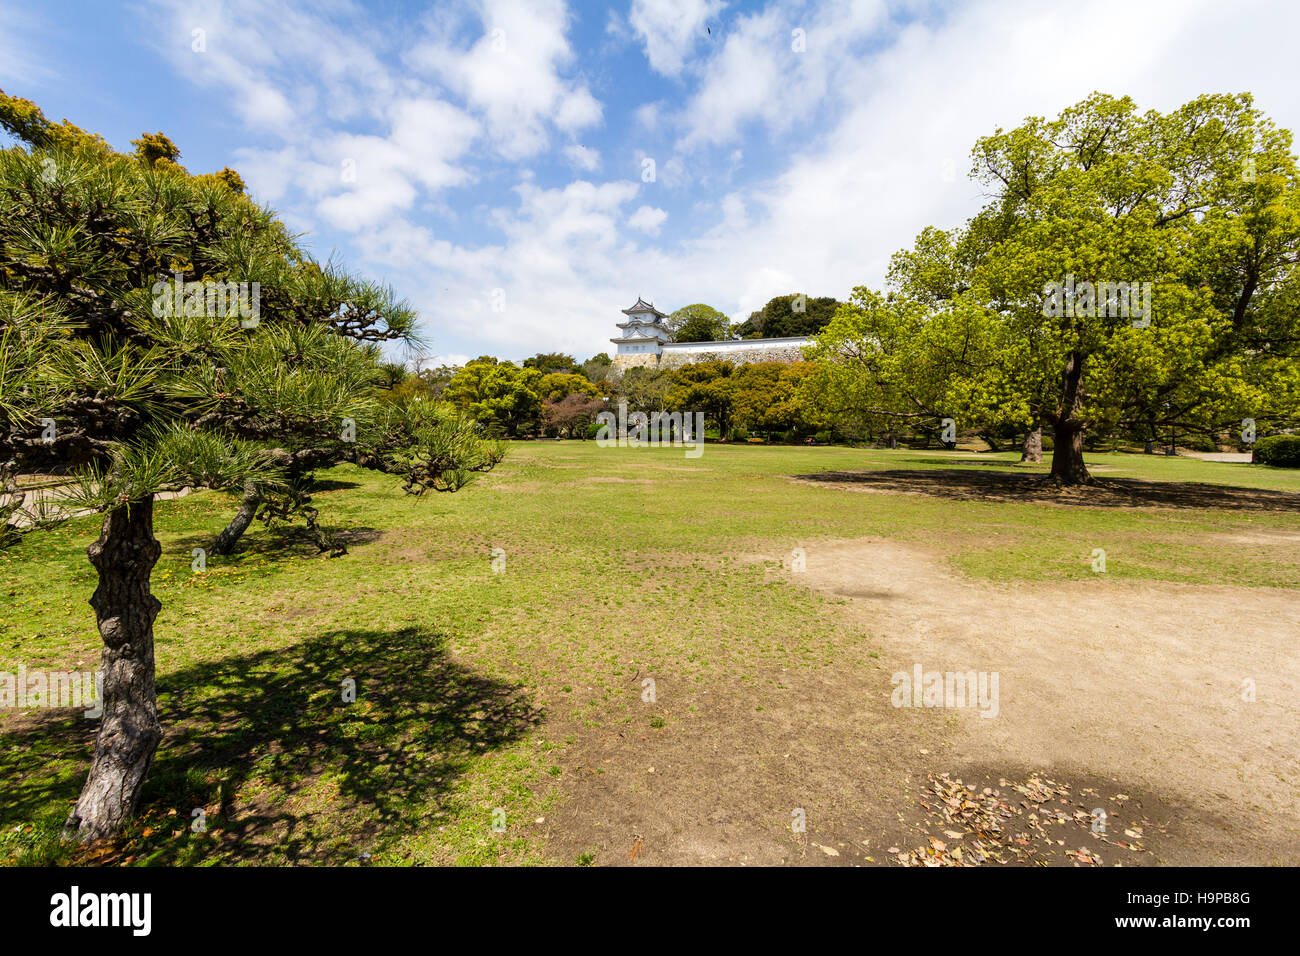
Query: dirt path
{"x": 1127, "y": 698}
{"x": 1139, "y": 683}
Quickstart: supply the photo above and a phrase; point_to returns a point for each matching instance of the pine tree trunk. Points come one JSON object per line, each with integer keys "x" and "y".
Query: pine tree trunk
{"x": 230, "y": 535}
{"x": 129, "y": 731}
{"x": 1032, "y": 450}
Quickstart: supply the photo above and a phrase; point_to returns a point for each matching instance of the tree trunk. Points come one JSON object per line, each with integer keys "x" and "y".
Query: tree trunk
{"x": 129, "y": 731}
{"x": 1032, "y": 450}
{"x": 1067, "y": 431}
{"x": 232, "y": 532}
{"x": 1067, "y": 454}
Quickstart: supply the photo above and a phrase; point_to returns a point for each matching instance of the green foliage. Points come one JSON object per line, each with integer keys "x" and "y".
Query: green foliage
{"x": 152, "y": 147}
{"x": 431, "y": 444}
{"x": 503, "y": 397}
{"x": 557, "y": 385}
{"x": 548, "y": 362}
{"x": 768, "y": 397}
{"x": 597, "y": 368}
{"x": 142, "y": 397}
{"x": 704, "y": 387}
{"x": 788, "y": 315}
{"x": 1280, "y": 450}
{"x": 698, "y": 323}
{"x": 24, "y": 119}
{"x": 645, "y": 389}
{"x": 428, "y": 384}
{"x": 1202, "y": 203}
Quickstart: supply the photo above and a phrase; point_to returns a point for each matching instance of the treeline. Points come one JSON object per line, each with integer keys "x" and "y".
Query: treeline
{"x": 555, "y": 396}
{"x": 795, "y": 314}
{"x": 1130, "y": 281}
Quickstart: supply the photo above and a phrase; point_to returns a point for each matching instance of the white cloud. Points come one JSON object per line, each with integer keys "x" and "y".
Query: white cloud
{"x": 281, "y": 62}
{"x": 454, "y": 360}
{"x": 670, "y": 29}
{"x": 306, "y": 78}
{"x": 647, "y": 116}
{"x": 759, "y": 75}
{"x": 510, "y": 75}
{"x": 850, "y": 141}
{"x": 647, "y": 219}
{"x": 583, "y": 157}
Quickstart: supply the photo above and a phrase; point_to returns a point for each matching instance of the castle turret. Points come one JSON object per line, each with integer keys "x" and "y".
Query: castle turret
{"x": 643, "y": 336}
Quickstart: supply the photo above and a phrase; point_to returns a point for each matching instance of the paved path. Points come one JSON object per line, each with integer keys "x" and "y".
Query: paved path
{"x": 31, "y": 496}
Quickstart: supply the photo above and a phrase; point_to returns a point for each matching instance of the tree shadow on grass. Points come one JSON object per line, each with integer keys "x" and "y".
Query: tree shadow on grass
{"x": 978, "y": 485}
{"x": 283, "y": 540}
{"x": 332, "y": 484}
{"x": 280, "y": 764}
{"x": 938, "y": 458}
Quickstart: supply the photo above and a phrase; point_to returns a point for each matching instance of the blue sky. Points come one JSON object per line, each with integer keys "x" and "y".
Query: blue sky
{"x": 490, "y": 159}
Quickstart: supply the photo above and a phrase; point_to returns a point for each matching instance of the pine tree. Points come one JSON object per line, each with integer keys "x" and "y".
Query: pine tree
{"x": 160, "y": 331}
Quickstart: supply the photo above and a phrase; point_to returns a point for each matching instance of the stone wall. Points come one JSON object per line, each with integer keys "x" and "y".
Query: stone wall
{"x": 778, "y": 351}
{"x": 742, "y": 352}
{"x": 635, "y": 360}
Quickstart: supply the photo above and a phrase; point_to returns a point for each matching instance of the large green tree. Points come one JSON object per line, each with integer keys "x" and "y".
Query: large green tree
{"x": 788, "y": 315}
{"x": 767, "y": 397}
{"x": 505, "y": 398}
{"x": 706, "y": 387}
{"x": 548, "y": 362}
{"x": 698, "y": 323}
{"x": 1037, "y": 310}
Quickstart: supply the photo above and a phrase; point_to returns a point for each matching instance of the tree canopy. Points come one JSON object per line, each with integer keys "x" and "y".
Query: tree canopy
{"x": 698, "y": 323}
{"x": 1129, "y": 271}
{"x": 547, "y": 362}
{"x": 788, "y": 315}
{"x": 502, "y": 396}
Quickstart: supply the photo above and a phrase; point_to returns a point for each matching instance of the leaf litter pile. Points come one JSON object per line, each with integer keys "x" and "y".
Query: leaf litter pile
{"x": 1034, "y": 823}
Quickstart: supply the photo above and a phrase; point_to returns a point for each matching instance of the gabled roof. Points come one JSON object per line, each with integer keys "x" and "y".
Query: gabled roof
{"x": 643, "y": 306}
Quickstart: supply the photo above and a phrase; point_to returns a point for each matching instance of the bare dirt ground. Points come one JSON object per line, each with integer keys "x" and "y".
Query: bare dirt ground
{"x": 1139, "y": 684}
{"x": 1113, "y": 696}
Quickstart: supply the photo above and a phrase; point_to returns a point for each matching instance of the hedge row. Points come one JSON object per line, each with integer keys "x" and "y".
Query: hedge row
{"x": 1280, "y": 450}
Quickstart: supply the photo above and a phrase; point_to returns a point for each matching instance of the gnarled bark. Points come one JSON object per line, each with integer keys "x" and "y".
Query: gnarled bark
{"x": 129, "y": 732}
{"x": 231, "y": 533}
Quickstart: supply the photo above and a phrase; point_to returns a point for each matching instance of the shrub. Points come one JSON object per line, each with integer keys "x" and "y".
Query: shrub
{"x": 740, "y": 434}
{"x": 1280, "y": 450}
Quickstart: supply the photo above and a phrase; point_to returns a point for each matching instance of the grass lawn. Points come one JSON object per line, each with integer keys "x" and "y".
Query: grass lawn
{"x": 479, "y": 694}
